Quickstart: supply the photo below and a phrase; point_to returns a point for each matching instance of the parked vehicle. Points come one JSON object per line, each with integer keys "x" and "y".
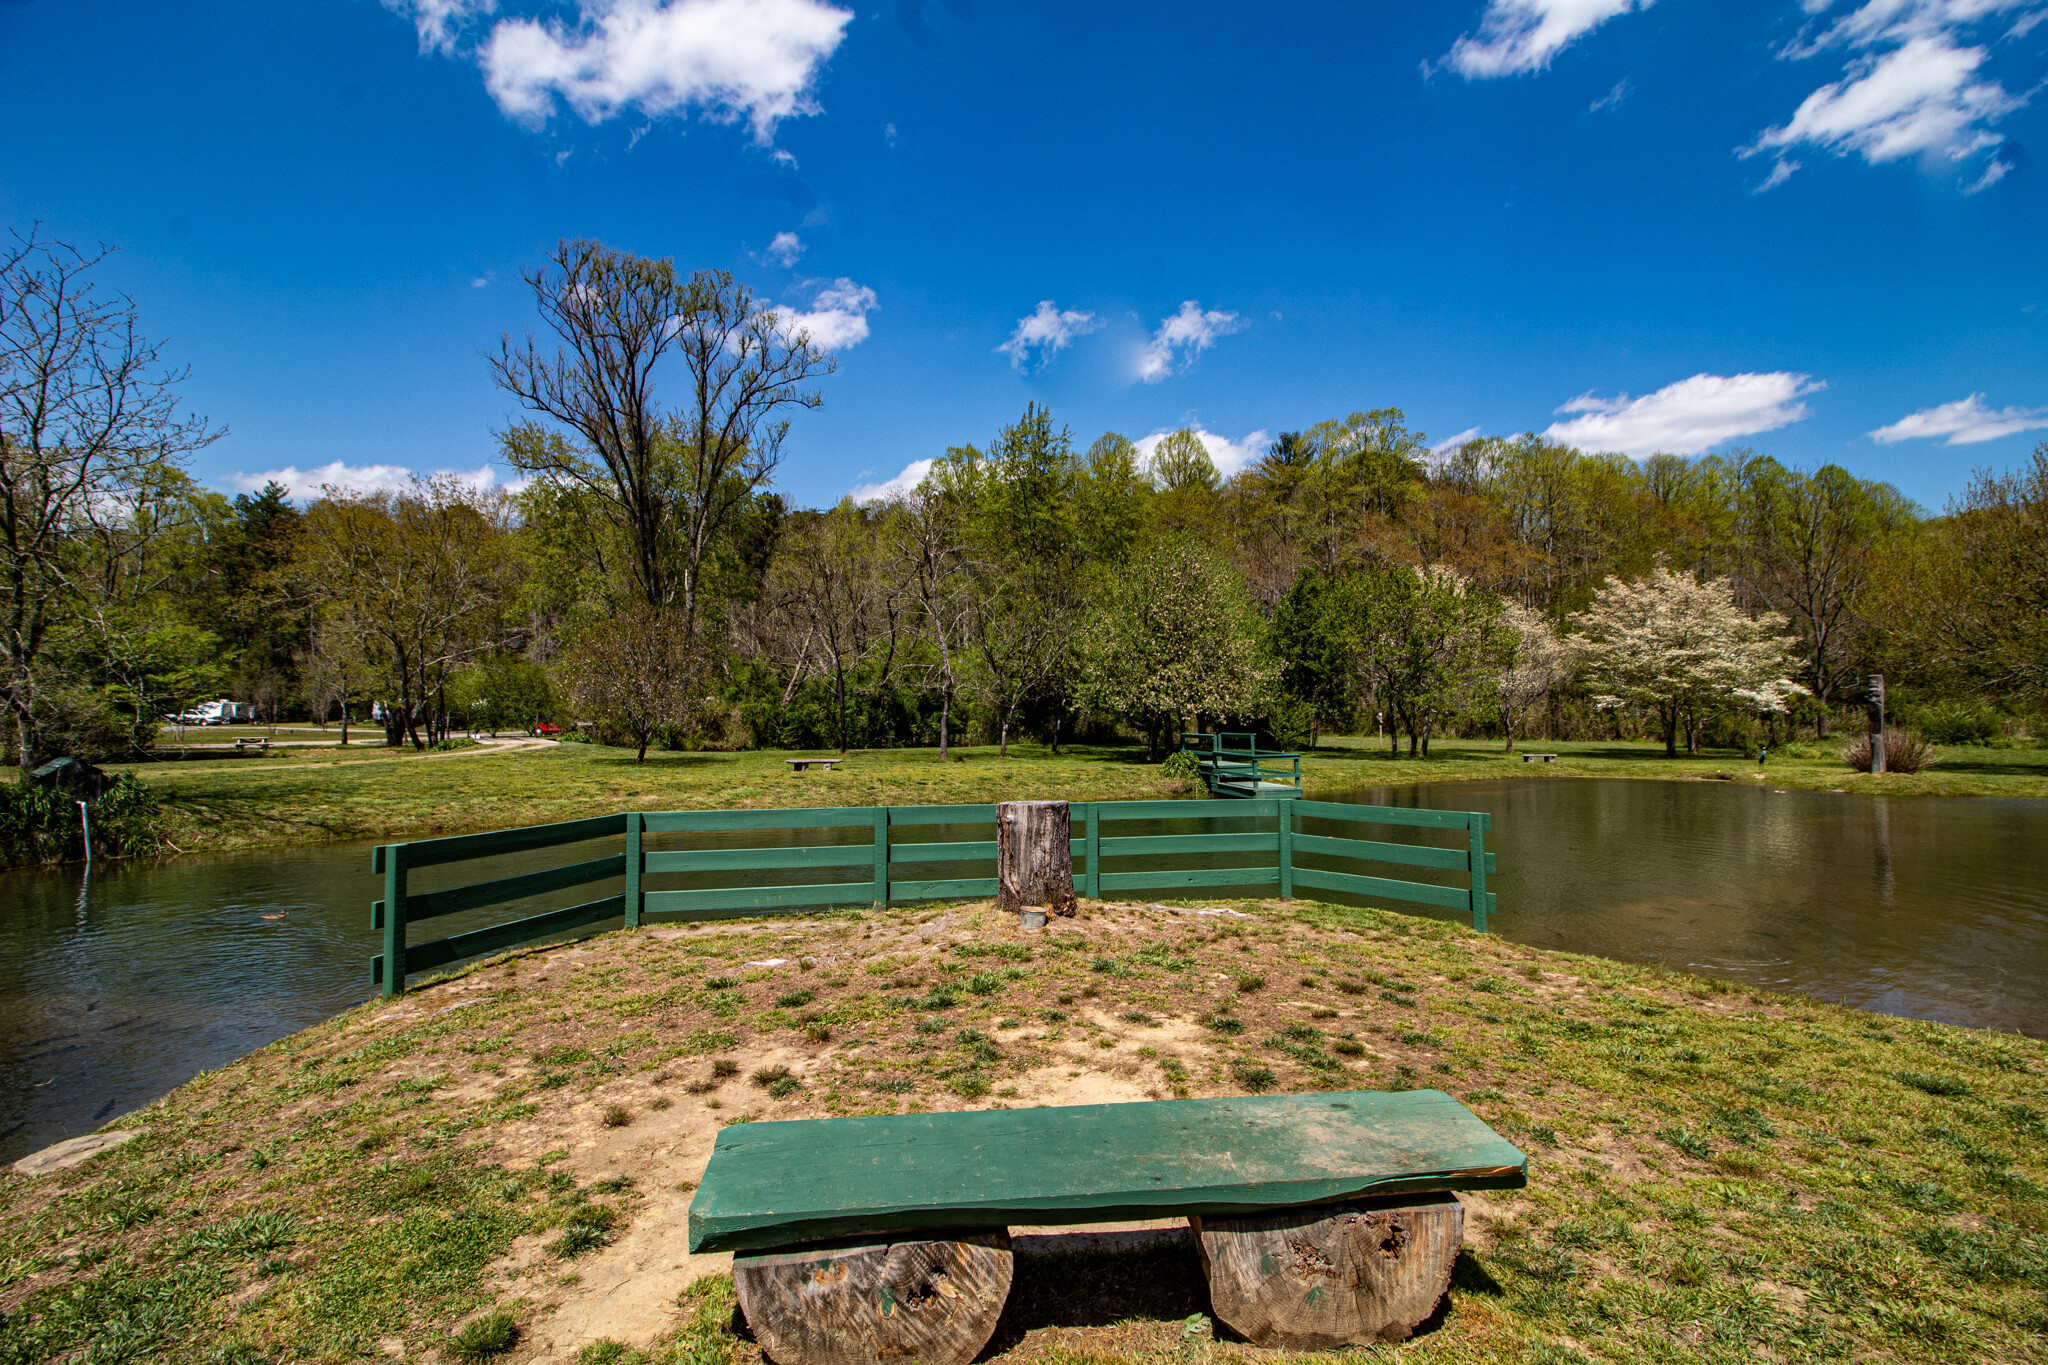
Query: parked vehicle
{"x": 222, "y": 712}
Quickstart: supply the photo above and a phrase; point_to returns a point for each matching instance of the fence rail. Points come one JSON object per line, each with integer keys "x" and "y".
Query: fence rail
{"x": 1274, "y": 851}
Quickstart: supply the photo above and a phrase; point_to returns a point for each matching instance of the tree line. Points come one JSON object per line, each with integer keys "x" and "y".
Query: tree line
{"x": 649, "y": 586}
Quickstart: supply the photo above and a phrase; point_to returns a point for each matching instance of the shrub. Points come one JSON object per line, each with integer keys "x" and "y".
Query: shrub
{"x": 1252, "y": 1076}
{"x": 1181, "y": 765}
{"x": 40, "y": 824}
{"x": 488, "y": 1336}
{"x": 1960, "y": 722}
{"x": 617, "y": 1116}
{"x": 1904, "y": 752}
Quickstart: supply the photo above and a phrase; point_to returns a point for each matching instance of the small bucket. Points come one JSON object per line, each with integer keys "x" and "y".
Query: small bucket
{"x": 1031, "y": 917}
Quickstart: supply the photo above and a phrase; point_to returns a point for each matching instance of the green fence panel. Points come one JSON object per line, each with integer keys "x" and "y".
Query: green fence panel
{"x": 1132, "y": 845}
{"x": 957, "y": 887}
{"x": 430, "y": 852}
{"x": 674, "y": 903}
{"x": 1193, "y": 876}
{"x": 1382, "y": 815}
{"x": 753, "y": 859}
{"x": 425, "y": 905}
{"x": 1450, "y": 897}
{"x": 822, "y": 817}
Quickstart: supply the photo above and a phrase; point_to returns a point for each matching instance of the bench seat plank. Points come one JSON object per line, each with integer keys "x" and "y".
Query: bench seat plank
{"x": 780, "y": 1184}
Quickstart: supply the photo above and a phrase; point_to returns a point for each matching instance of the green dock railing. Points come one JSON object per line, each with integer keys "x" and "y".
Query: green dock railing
{"x": 1271, "y": 837}
{"x": 1243, "y": 770}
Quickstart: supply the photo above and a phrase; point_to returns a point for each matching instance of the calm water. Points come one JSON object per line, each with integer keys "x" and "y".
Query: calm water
{"x": 119, "y": 986}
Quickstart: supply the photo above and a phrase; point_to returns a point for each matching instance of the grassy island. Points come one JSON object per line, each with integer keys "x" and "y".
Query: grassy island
{"x": 293, "y": 795}
{"x": 506, "y": 1154}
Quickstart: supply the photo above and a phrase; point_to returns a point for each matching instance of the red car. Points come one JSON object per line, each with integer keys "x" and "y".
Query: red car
{"x": 545, "y": 729}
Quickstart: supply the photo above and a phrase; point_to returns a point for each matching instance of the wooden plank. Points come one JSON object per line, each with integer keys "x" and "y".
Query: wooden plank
{"x": 801, "y": 817}
{"x": 433, "y": 904}
{"x": 1372, "y": 850}
{"x": 636, "y": 865}
{"x": 881, "y": 855}
{"x": 753, "y": 859}
{"x": 963, "y": 887}
{"x": 426, "y": 956}
{"x": 1131, "y": 845}
{"x": 1450, "y": 897}
{"x": 1156, "y": 810}
{"x": 1284, "y": 815}
{"x": 396, "y": 859}
{"x": 759, "y": 897}
{"x": 942, "y": 815}
{"x": 1091, "y": 887}
{"x": 1384, "y": 815}
{"x": 1479, "y": 901}
{"x": 966, "y": 851}
{"x": 432, "y": 852}
{"x": 1193, "y": 876}
{"x": 774, "y": 1184}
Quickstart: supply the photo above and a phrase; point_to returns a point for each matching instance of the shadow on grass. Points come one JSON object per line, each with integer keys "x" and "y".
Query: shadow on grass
{"x": 1161, "y": 1283}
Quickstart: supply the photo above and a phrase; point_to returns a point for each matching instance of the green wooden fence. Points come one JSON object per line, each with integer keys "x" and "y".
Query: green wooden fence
{"x": 894, "y": 868}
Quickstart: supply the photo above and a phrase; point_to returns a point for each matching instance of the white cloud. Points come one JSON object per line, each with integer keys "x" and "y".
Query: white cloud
{"x": 784, "y": 249}
{"x": 837, "y": 317}
{"x": 1518, "y": 36}
{"x": 1451, "y": 445}
{"x": 306, "y": 485}
{"x": 1965, "y": 422}
{"x": 1044, "y": 334}
{"x": 1613, "y": 98}
{"x": 1182, "y": 337}
{"x": 1227, "y": 455}
{"x": 1687, "y": 417}
{"x": 912, "y": 475}
{"x": 440, "y": 22}
{"x": 1914, "y": 87}
{"x": 731, "y": 60}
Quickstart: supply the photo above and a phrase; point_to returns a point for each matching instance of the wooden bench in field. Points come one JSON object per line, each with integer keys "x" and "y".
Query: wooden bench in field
{"x": 1322, "y": 1219}
{"x": 803, "y": 764}
{"x": 1547, "y": 758}
{"x": 261, "y": 745}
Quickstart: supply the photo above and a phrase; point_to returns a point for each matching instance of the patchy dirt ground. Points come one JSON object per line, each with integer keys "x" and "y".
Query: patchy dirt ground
{"x": 1715, "y": 1175}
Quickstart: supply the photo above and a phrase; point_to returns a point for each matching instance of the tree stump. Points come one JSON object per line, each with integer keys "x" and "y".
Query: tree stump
{"x": 877, "y": 1300}
{"x": 1034, "y": 856}
{"x": 1332, "y": 1274}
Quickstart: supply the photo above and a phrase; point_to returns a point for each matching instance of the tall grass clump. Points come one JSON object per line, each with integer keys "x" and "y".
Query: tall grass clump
{"x": 1904, "y": 752}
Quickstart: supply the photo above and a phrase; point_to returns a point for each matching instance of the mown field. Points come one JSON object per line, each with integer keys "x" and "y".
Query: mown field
{"x": 374, "y": 793}
{"x": 1716, "y": 1175}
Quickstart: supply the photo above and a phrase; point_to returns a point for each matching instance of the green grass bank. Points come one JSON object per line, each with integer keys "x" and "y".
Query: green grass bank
{"x": 1716, "y": 1175}
{"x": 290, "y": 796}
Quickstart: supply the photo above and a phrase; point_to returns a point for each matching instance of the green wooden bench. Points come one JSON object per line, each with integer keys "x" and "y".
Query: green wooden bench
{"x": 1323, "y": 1219}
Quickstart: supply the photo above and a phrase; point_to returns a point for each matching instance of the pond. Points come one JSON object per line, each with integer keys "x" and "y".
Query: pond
{"x": 120, "y": 985}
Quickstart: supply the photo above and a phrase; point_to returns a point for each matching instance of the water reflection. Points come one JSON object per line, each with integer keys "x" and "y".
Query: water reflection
{"x": 1935, "y": 907}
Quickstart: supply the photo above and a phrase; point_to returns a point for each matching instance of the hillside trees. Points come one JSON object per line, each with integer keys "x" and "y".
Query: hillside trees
{"x": 88, "y": 417}
{"x": 1422, "y": 642}
{"x": 421, "y": 577}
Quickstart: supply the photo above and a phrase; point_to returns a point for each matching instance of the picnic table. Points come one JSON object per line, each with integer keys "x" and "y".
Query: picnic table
{"x": 260, "y": 744}
{"x": 1547, "y": 758}
{"x": 802, "y": 764}
{"x": 1322, "y": 1219}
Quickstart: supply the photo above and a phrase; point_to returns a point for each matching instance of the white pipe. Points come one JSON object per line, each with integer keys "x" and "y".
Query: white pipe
{"x": 85, "y": 823}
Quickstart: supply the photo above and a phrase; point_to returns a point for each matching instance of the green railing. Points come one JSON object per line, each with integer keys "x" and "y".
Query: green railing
{"x": 1245, "y": 765}
{"x": 893, "y": 868}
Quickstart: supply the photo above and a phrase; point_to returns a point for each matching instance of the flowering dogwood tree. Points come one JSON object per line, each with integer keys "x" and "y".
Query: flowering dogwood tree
{"x": 1538, "y": 661}
{"x": 1681, "y": 649}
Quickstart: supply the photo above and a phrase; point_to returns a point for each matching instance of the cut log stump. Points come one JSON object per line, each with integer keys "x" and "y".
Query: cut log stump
{"x": 1332, "y": 1274}
{"x": 871, "y": 1300}
{"x": 1034, "y": 856}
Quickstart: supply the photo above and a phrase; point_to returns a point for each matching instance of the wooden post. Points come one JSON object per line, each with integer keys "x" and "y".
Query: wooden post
{"x": 1877, "y": 722}
{"x": 1034, "y": 856}
{"x": 1092, "y": 879}
{"x": 1285, "y": 811}
{"x": 393, "y": 858}
{"x": 1332, "y": 1275}
{"x": 1477, "y": 823}
{"x": 635, "y": 823}
{"x": 875, "y": 1300}
{"x": 881, "y": 855}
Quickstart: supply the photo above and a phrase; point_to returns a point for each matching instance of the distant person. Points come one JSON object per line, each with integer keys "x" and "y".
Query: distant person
{"x": 1761, "y": 752}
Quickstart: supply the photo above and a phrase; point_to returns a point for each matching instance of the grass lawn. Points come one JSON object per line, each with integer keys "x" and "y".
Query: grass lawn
{"x": 1716, "y": 1175}
{"x": 373, "y": 792}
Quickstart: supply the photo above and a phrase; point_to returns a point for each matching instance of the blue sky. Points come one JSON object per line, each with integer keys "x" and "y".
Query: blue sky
{"x": 1681, "y": 225}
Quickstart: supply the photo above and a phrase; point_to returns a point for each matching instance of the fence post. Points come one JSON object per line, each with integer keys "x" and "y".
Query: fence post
{"x": 1285, "y": 810}
{"x": 1092, "y": 880}
{"x": 394, "y": 919}
{"x": 1477, "y": 823}
{"x": 634, "y": 823}
{"x": 881, "y": 855}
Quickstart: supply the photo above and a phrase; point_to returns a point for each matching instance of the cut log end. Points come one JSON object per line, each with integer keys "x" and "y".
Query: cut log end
{"x": 1332, "y": 1274}
{"x": 866, "y": 1301}
{"x": 1034, "y": 856}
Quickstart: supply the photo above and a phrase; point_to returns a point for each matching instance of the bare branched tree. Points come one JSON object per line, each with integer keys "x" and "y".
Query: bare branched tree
{"x": 88, "y": 417}
{"x": 671, "y": 477}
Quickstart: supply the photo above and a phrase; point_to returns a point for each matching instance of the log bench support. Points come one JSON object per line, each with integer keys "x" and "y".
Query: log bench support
{"x": 1332, "y": 1275}
{"x": 877, "y": 1300}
